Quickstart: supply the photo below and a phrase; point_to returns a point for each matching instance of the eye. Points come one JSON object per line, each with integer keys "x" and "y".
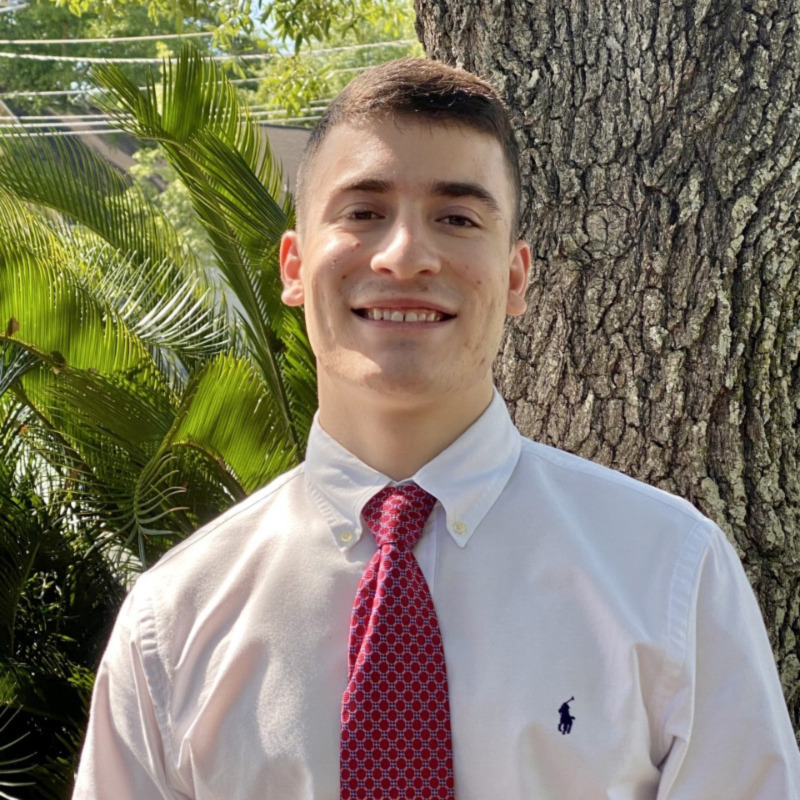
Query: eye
{"x": 362, "y": 214}
{"x": 459, "y": 221}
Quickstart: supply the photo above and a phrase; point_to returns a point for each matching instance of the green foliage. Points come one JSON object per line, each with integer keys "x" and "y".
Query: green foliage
{"x": 42, "y": 19}
{"x": 294, "y": 86}
{"x": 118, "y": 313}
{"x": 295, "y": 22}
{"x": 134, "y": 403}
{"x": 158, "y": 180}
{"x": 301, "y": 22}
{"x": 304, "y": 41}
{"x": 58, "y": 595}
{"x": 237, "y": 192}
{"x": 14, "y": 769}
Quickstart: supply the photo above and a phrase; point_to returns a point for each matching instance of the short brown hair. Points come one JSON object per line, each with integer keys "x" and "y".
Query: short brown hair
{"x": 420, "y": 89}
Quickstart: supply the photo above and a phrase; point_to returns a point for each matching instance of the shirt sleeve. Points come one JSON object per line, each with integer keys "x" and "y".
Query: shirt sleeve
{"x": 730, "y": 732}
{"x": 123, "y": 755}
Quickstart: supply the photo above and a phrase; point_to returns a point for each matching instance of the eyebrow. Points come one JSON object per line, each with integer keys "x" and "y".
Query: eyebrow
{"x": 467, "y": 189}
{"x": 437, "y": 188}
{"x": 372, "y": 185}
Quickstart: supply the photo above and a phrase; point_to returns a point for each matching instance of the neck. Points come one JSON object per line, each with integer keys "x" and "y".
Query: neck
{"x": 397, "y": 438}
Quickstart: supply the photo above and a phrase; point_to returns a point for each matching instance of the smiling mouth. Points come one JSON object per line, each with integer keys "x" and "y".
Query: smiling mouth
{"x": 403, "y": 315}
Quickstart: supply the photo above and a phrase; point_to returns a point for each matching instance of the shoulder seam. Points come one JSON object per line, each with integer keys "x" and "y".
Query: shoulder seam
{"x": 572, "y": 463}
{"x": 158, "y": 684}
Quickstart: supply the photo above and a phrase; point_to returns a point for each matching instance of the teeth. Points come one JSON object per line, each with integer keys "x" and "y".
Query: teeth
{"x": 395, "y": 315}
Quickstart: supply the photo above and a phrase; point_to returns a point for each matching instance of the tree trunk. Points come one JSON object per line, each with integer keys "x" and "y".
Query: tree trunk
{"x": 660, "y": 157}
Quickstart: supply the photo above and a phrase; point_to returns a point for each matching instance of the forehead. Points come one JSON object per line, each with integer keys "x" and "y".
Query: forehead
{"x": 408, "y": 155}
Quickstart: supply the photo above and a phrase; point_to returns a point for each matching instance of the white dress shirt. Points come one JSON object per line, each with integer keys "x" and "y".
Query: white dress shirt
{"x": 553, "y": 578}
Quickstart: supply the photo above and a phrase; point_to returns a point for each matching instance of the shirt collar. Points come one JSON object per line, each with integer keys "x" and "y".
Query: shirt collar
{"x": 466, "y": 478}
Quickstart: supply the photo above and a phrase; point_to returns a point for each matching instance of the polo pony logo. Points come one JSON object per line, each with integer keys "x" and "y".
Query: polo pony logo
{"x": 565, "y": 724}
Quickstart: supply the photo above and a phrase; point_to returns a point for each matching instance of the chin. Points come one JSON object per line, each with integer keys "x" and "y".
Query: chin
{"x": 396, "y": 379}
{"x": 400, "y": 384}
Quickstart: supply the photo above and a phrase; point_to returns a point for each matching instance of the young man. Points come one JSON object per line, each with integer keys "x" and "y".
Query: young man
{"x": 573, "y": 633}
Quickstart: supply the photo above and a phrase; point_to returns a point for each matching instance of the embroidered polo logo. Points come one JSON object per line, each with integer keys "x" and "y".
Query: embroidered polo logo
{"x": 565, "y": 723}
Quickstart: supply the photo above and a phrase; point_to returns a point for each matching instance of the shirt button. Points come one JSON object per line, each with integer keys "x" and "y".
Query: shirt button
{"x": 346, "y": 536}
{"x": 460, "y": 527}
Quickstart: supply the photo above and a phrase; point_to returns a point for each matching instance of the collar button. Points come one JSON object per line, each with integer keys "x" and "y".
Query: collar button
{"x": 460, "y": 527}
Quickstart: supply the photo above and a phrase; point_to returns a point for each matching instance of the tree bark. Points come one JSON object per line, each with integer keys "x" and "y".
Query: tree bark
{"x": 660, "y": 157}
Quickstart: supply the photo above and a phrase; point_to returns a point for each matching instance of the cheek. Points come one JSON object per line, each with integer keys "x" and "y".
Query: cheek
{"x": 472, "y": 276}
{"x": 483, "y": 272}
{"x": 493, "y": 292}
{"x": 336, "y": 262}
{"x": 326, "y": 276}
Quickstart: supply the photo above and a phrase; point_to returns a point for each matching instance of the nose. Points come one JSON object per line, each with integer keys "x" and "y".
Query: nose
{"x": 406, "y": 251}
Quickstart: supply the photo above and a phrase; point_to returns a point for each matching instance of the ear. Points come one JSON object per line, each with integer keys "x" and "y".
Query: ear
{"x": 519, "y": 270}
{"x": 292, "y": 294}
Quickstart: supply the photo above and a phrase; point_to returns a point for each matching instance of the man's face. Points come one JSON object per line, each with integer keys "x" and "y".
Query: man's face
{"x": 403, "y": 261}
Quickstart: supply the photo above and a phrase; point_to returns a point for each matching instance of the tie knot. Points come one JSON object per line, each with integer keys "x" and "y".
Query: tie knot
{"x": 397, "y": 514}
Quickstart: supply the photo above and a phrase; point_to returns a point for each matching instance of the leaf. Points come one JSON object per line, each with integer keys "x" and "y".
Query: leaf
{"x": 90, "y": 191}
{"x": 64, "y": 324}
{"x": 236, "y": 189}
{"x": 15, "y": 362}
{"x": 228, "y": 413}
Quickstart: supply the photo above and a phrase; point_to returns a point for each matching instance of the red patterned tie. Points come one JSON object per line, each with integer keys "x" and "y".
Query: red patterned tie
{"x": 395, "y": 711}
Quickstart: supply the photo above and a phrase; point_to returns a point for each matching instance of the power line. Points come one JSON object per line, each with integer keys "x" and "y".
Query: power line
{"x": 48, "y": 134}
{"x": 24, "y": 126}
{"x": 106, "y": 131}
{"x": 121, "y": 59}
{"x": 90, "y": 91}
{"x": 104, "y": 40}
{"x": 322, "y": 101}
{"x": 51, "y": 93}
{"x": 24, "y": 118}
{"x": 26, "y": 123}
{"x": 237, "y": 57}
{"x": 257, "y": 111}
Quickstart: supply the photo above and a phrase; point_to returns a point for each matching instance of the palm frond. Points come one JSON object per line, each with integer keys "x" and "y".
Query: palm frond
{"x": 237, "y": 191}
{"x": 14, "y": 769}
{"x": 116, "y": 424}
{"x": 165, "y": 467}
{"x": 15, "y": 361}
{"x": 169, "y": 310}
{"x": 63, "y": 174}
{"x": 179, "y": 314}
{"x": 19, "y": 511}
{"x": 229, "y": 413}
{"x": 45, "y": 303}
